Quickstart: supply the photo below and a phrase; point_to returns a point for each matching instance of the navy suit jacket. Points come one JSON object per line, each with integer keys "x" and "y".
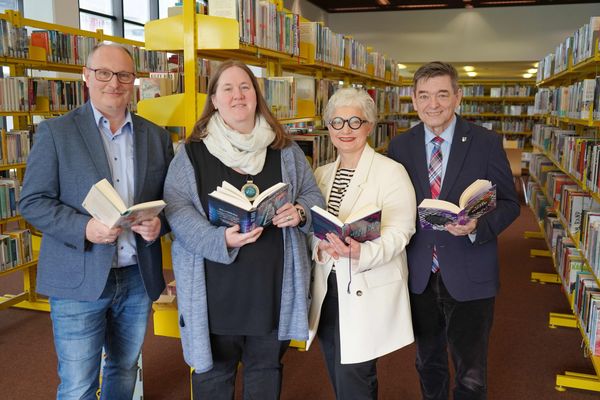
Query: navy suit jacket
{"x": 469, "y": 269}
{"x": 67, "y": 158}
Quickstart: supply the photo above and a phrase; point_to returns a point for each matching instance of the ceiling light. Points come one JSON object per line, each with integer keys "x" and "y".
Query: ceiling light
{"x": 472, "y": 74}
{"x": 527, "y": 76}
{"x": 469, "y": 68}
{"x": 383, "y": 2}
{"x": 532, "y": 70}
{"x": 537, "y": 64}
{"x": 401, "y": 66}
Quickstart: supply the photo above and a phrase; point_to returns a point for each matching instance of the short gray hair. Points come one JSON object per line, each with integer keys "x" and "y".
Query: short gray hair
{"x": 351, "y": 97}
{"x": 109, "y": 44}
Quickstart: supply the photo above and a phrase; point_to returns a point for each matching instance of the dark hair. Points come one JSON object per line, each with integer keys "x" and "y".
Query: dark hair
{"x": 434, "y": 69}
{"x": 281, "y": 138}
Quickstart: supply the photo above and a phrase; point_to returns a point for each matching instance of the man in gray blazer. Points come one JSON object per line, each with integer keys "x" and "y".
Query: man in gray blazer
{"x": 100, "y": 280}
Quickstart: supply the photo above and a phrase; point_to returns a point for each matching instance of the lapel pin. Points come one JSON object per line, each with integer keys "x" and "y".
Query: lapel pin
{"x": 464, "y": 139}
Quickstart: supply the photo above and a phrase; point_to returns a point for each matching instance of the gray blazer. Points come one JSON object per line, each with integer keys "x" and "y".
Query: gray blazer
{"x": 67, "y": 158}
{"x": 196, "y": 239}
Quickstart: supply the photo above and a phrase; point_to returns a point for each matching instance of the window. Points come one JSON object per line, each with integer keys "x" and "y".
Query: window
{"x": 125, "y": 18}
{"x": 163, "y": 7}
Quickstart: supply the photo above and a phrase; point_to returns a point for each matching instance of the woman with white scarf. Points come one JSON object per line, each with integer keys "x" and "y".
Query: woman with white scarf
{"x": 241, "y": 296}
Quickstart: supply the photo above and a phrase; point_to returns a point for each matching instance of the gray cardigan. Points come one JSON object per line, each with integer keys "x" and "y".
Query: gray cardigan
{"x": 196, "y": 239}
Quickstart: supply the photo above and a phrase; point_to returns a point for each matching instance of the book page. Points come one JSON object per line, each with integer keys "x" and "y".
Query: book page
{"x": 362, "y": 213}
{"x": 111, "y": 194}
{"x": 474, "y": 189}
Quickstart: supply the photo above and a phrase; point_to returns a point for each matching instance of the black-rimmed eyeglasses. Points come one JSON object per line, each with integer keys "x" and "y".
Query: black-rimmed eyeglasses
{"x": 354, "y": 123}
{"x": 105, "y": 75}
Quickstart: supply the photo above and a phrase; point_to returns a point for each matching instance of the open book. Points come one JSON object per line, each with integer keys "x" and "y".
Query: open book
{"x": 228, "y": 206}
{"x": 104, "y": 203}
{"x": 477, "y": 199}
{"x": 361, "y": 225}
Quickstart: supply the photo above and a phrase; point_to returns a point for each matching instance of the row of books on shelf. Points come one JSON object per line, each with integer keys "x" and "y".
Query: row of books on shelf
{"x": 562, "y": 194}
{"x": 580, "y": 46}
{"x": 343, "y": 51}
{"x": 66, "y": 48}
{"x": 317, "y": 147}
{"x": 577, "y": 153}
{"x": 15, "y": 145}
{"x": 9, "y": 197}
{"x": 260, "y": 23}
{"x": 581, "y": 100}
{"x": 474, "y": 107}
{"x": 504, "y": 125}
{"x": 15, "y": 249}
{"x": 24, "y": 94}
{"x": 507, "y": 90}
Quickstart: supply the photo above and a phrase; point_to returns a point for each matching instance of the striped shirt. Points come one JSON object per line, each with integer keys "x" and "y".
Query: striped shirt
{"x": 343, "y": 176}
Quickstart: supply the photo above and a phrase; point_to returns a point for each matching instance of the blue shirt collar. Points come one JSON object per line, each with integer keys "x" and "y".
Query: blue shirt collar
{"x": 447, "y": 135}
{"x": 98, "y": 117}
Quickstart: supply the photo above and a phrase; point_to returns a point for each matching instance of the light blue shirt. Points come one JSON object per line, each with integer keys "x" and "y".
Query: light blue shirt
{"x": 120, "y": 154}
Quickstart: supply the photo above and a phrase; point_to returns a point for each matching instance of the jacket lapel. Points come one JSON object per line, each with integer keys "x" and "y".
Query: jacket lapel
{"x": 86, "y": 125}
{"x": 420, "y": 160}
{"x": 458, "y": 151}
{"x": 140, "y": 143}
{"x": 356, "y": 184}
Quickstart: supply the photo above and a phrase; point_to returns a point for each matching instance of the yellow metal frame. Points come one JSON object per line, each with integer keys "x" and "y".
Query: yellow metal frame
{"x": 543, "y": 278}
{"x": 556, "y": 320}
{"x": 540, "y": 253}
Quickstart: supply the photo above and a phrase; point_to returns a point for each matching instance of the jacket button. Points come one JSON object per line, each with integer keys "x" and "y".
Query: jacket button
{"x": 359, "y": 292}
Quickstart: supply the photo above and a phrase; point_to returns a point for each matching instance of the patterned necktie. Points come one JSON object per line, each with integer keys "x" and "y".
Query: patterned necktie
{"x": 435, "y": 183}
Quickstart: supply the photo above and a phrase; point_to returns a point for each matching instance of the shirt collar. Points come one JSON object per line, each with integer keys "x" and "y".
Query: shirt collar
{"x": 99, "y": 118}
{"x": 447, "y": 134}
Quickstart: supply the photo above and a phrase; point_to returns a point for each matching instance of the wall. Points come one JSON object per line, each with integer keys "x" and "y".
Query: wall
{"x": 486, "y": 34}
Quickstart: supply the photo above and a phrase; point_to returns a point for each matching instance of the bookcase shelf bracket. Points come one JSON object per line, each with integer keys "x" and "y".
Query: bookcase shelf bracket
{"x": 577, "y": 380}
{"x": 543, "y": 278}
{"x": 556, "y": 320}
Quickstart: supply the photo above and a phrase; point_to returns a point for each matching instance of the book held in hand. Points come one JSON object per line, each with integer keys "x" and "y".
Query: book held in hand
{"x": 362, "y": 225}
{"x": 228, "y": 206}
{"x": 476, "y": 200}
{"x": 104, "y": 203}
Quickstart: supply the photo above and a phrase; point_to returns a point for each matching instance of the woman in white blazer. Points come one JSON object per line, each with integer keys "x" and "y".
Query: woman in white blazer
{"x": 360, "y": 306}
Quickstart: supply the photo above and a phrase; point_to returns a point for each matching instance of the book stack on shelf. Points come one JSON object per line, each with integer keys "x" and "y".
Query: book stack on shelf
{"x": 15, "y": 249}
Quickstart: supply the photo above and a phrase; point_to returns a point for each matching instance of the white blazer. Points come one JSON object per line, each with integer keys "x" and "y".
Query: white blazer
{"x": 375, "y": 316}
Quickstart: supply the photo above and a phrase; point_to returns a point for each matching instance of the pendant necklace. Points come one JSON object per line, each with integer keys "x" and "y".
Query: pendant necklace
{"x": 250, "y": 190}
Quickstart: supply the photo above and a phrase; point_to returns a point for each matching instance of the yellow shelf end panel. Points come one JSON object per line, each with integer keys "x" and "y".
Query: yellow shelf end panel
{"x": 168, "y": 110}
{"x": 165, "y": 320}
{"x": 214, "y": 33}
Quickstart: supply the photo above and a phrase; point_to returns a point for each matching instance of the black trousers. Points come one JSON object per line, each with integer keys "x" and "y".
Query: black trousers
{"x": 261, "y": 359}
{"x": 463, "y": 327}
{"x": 350, "y": 381}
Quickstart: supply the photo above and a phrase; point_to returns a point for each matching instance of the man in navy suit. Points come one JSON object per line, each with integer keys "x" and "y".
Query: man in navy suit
{"x": 100, "y": 280}
{"x": 453, "y": 274}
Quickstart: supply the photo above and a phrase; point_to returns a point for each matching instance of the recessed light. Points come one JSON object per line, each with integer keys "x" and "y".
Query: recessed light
{"x": 472, "y": 74}
{"x": 469, "y": 68}
{"x": 527, "y": 76}
{"x": 401, "y": 66}
{"x": 532, "y": 70}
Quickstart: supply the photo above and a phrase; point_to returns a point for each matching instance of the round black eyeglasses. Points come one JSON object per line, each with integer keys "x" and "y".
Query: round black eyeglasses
{"x": 105, "y": 75}
{"x": 353, "y": 122}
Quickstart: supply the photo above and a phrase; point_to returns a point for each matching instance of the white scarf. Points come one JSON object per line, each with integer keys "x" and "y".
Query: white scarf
{"x": 244, "y": 151}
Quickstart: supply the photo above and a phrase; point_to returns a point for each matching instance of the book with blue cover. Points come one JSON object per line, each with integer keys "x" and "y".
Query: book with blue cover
{"x": 477, "y": 199}
{"x": 228, "y": 206}
{"x": 362, "y": 225}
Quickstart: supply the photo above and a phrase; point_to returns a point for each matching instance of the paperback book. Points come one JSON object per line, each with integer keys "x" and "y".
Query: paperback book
{"x": 104, "y": 203}
{"x": 362, "y": 225}
{"x": 228, "y": 206}
{"x": 476, "y": 200}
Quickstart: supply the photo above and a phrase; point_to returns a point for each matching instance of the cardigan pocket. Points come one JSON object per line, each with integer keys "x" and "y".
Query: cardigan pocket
{"x": 382, "y": 276}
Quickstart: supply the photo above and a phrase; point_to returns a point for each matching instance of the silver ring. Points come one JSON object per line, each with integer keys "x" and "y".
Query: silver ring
{"x": 289, "y": 218}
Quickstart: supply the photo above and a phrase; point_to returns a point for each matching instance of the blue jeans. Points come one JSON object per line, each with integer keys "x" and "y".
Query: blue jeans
{"x": 116, "y": 321}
